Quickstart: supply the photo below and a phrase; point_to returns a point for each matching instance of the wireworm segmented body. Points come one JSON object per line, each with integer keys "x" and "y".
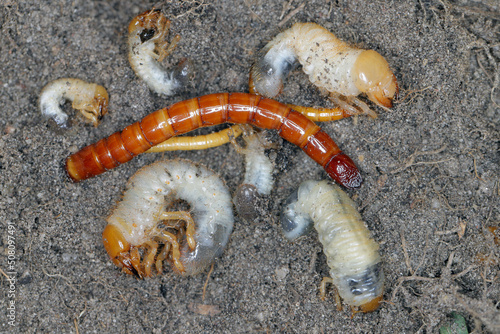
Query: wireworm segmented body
{"x": 353, "y": 258}
{"x": 138, "y": 223}
{"x": 184, "y": 116}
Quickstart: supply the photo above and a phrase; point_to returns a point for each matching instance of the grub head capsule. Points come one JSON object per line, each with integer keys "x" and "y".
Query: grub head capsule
{"x": 372, "y": 76}
{"x": 118, "y": 248}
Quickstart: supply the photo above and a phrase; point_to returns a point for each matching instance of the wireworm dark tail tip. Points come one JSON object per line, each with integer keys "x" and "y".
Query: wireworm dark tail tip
{"x": 343, "y": 170}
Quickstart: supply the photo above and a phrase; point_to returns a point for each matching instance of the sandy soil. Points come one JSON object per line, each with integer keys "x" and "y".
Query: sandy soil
{"x": 431, "y": 171}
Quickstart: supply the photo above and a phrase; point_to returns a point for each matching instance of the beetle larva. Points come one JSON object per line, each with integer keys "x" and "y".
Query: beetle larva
{"x": 200, "y": 142}
{"x": 213, "y": 109}
{"x": 258, "y": 180}
{"x": 353, "y": 258}
{"x": 138, "y": 223}
{"x": 342, "y": 70}
{"x": 258, "y": 166}
{"x": 89, "y": 98}
{"x": 148, "y": 47}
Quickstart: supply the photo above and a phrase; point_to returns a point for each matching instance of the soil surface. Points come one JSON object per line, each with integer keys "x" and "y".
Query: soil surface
{"x": 430, "y": 195}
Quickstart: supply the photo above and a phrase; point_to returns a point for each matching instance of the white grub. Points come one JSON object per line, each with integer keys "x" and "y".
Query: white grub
{"x": 89, "y": 98}
{"x": 148, "y": 47}
{"x": 138, "y": 217}
{"x": 332, "y": 65}
{"x": 353, "y": 258}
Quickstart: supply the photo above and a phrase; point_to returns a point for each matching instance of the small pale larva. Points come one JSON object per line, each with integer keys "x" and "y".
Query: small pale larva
{"x": 140, "y": 223}
{"x": 353, "y": 258}
{"x": 258, "y": 166}
{"x": 332, "y": 65}
{"x": 258, "y": 180}
{"x": 148, "y": 47}
{"x": 89, "y": 98}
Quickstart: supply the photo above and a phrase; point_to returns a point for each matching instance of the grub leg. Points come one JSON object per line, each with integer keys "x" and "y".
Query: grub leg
{"x": 190, "y": 225}
{"x": 322, "y": 292}
{"x": 149, "y": 257}
{"x": 176, "y": 254}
